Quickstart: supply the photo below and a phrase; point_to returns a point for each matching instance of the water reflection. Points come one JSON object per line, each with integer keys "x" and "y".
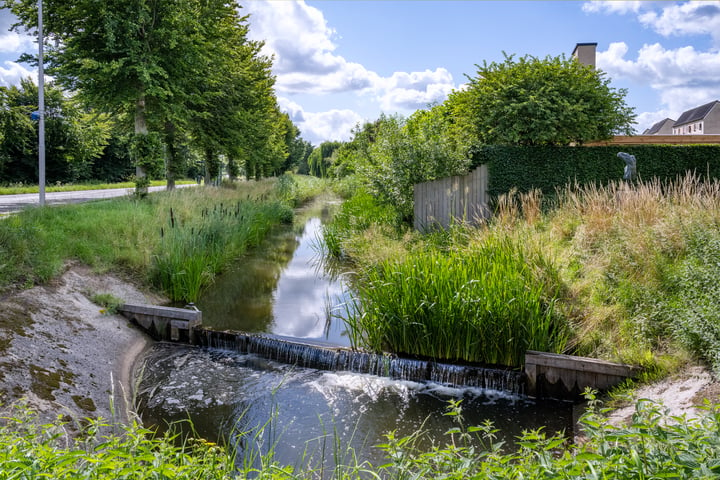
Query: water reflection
{"x": 281, "y": 287}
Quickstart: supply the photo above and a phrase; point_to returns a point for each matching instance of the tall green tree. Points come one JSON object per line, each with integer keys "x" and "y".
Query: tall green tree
{"x": 234, "y": 114}
{"x": 298, "y": 149}
{"x": 158, "y": 60}
{"x": 532, "y": 101}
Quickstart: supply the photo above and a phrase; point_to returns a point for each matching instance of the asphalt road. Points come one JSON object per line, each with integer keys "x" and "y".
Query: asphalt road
{"x": 15, "y": 203}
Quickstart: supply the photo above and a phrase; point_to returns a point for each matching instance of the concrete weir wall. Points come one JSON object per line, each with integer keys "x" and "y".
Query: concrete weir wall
{"x": 566, "y": 377}
{"x": 165, "y": 323}
{"x": 546, "y": 375}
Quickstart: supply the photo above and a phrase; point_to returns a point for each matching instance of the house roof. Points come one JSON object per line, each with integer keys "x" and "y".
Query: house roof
{"x": 695, "y": 114}
{"x": 657, "y": 126}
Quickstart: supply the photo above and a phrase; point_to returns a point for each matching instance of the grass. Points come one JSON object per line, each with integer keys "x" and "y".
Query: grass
{"x": 22, "y": 188}
{"x": 137, "y": 237}
{"x": 630, "y": 268}
{"x": 653, "y": 445}
{"x": 191, "y": 252}
{"x": 482, "y": 304}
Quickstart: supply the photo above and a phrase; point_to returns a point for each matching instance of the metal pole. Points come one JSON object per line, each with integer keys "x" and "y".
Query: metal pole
{"x": 41, "y": 108}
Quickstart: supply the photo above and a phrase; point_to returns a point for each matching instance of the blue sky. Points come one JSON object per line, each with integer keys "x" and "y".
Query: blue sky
{"x": 341, "y": 62}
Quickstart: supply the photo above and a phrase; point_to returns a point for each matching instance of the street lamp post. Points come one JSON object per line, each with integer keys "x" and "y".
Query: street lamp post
{"x": 41, "y": 108}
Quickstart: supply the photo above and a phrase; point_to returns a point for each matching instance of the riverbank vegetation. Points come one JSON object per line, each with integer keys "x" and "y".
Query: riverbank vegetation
{"x": 177, "y": 240}
{"x": 628, "y": 269}
{"x": 653, "y": 446}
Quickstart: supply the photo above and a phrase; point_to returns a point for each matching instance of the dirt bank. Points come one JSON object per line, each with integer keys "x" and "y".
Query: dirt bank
{"x": 62, "y": 355}
{"x": 680, "y": 394}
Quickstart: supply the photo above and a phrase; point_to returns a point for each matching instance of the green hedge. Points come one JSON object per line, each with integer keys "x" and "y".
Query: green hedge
{"x": 546, "y": 168}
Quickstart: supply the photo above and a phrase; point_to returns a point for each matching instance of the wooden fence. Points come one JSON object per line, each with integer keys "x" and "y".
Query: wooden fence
{"x": 439, "y": 203}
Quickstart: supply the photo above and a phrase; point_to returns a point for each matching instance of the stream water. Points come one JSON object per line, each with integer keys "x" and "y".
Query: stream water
{"x": 308, "y": 416}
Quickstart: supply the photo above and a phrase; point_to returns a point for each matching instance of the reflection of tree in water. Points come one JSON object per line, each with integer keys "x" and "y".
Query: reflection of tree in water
{"x": 242, "y": 299}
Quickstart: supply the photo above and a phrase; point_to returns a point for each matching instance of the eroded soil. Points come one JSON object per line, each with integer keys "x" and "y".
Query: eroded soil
{"x": 62, "y": 355}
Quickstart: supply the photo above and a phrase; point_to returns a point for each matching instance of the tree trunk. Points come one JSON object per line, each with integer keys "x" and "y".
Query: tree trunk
{"x": 172, "y": 155}
{"x": 140, "y": 129}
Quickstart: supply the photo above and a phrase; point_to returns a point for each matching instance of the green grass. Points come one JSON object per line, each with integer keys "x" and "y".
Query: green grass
{"x": 21, "y": 188}
{"x": 192, "y": 252}
{"x": 488, "y": 303}
{"x": 632, "y": 270}
{"x": 136, "y": 236}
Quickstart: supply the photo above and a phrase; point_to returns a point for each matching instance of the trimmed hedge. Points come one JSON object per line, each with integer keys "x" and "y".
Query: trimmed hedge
{"x": 547, "y": 168}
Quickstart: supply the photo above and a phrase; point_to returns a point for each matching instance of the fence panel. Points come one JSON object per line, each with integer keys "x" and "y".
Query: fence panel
{"x": 439, "y": 203}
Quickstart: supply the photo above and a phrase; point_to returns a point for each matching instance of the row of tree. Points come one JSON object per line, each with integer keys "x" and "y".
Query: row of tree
{"x": 173, "y": 81}
{"x": 525, "y": 101}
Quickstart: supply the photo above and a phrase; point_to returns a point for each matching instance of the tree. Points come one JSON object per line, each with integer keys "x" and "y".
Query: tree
{"x": 298, "y": 149}
{"x": 531, "y": 101}
{"x": 74, "y": 137}
{"x": 161, "y": 61}
{"x": 321, "y": 159}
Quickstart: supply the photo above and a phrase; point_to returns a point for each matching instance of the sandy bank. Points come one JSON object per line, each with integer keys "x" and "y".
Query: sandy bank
{"x": 62, "y": 355}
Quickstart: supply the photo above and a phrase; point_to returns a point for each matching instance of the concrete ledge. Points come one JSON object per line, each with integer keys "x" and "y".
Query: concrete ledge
{"x": 565, "y": 376}
{"x": 164, "y": 323}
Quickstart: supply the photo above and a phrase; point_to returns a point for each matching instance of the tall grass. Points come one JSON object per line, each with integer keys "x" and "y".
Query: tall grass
{"x": 482, "y": 304}
{"x": 633, "y": 266}
{"x": 191, "y": 252}
{"x": 137, "y": 236}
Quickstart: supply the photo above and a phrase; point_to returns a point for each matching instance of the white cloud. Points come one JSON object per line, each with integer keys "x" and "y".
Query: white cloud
{"x": 12, "y": 73}
{"x": 691, "y": 18}
{"x": 13, "y": 42}
{"x": 409, "y": 91}
{"x": 321, "y": 126}
{"x": 683, "y": 77}
{"x": 610, "y": 7}
{"x": 305, "y": 62}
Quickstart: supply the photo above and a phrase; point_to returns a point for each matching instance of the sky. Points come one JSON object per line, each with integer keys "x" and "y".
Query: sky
{"x": 339, "y": 63}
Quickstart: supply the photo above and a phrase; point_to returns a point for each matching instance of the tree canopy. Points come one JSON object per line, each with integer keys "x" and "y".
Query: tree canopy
{"x": 182, "y": 70}
{"x": 532, "y": 101}
{"x": 75, "y": 137}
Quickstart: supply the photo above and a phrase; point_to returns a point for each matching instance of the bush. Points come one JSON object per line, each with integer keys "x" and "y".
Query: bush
{"x": 549, "y": 168}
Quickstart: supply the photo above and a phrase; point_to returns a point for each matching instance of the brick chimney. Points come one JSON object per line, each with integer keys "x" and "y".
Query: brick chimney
{"x": 585, "y": 53}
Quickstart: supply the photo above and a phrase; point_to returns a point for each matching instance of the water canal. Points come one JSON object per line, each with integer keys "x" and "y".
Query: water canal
{"x": 256, "y": 405}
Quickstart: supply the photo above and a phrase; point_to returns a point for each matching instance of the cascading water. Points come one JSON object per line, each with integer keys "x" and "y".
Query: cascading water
{"x": 294, "y": 375}
{"x": 324, "y": 357}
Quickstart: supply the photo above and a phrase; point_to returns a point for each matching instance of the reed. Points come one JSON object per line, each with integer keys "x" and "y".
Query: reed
{"x": 482, "y": 304}
{"x": 180, "y": 253}
{"x": 193, "y": 251}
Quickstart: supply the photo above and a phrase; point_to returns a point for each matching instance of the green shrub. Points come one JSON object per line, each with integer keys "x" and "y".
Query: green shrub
{"x": 550, "y": 168}
{"x": 652, "y": 446}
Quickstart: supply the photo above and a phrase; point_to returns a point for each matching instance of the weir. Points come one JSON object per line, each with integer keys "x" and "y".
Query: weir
{"x": 326, "y": 357}
{"x": 545, "y": 375}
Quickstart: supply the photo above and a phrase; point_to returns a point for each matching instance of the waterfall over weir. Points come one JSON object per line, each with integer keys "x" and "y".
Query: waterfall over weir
{"x": 325, "y": 357}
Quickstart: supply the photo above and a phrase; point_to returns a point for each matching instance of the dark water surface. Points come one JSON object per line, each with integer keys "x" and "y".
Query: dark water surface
{"x": 283, "y": 289}
{"x": 307, "y": 412}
